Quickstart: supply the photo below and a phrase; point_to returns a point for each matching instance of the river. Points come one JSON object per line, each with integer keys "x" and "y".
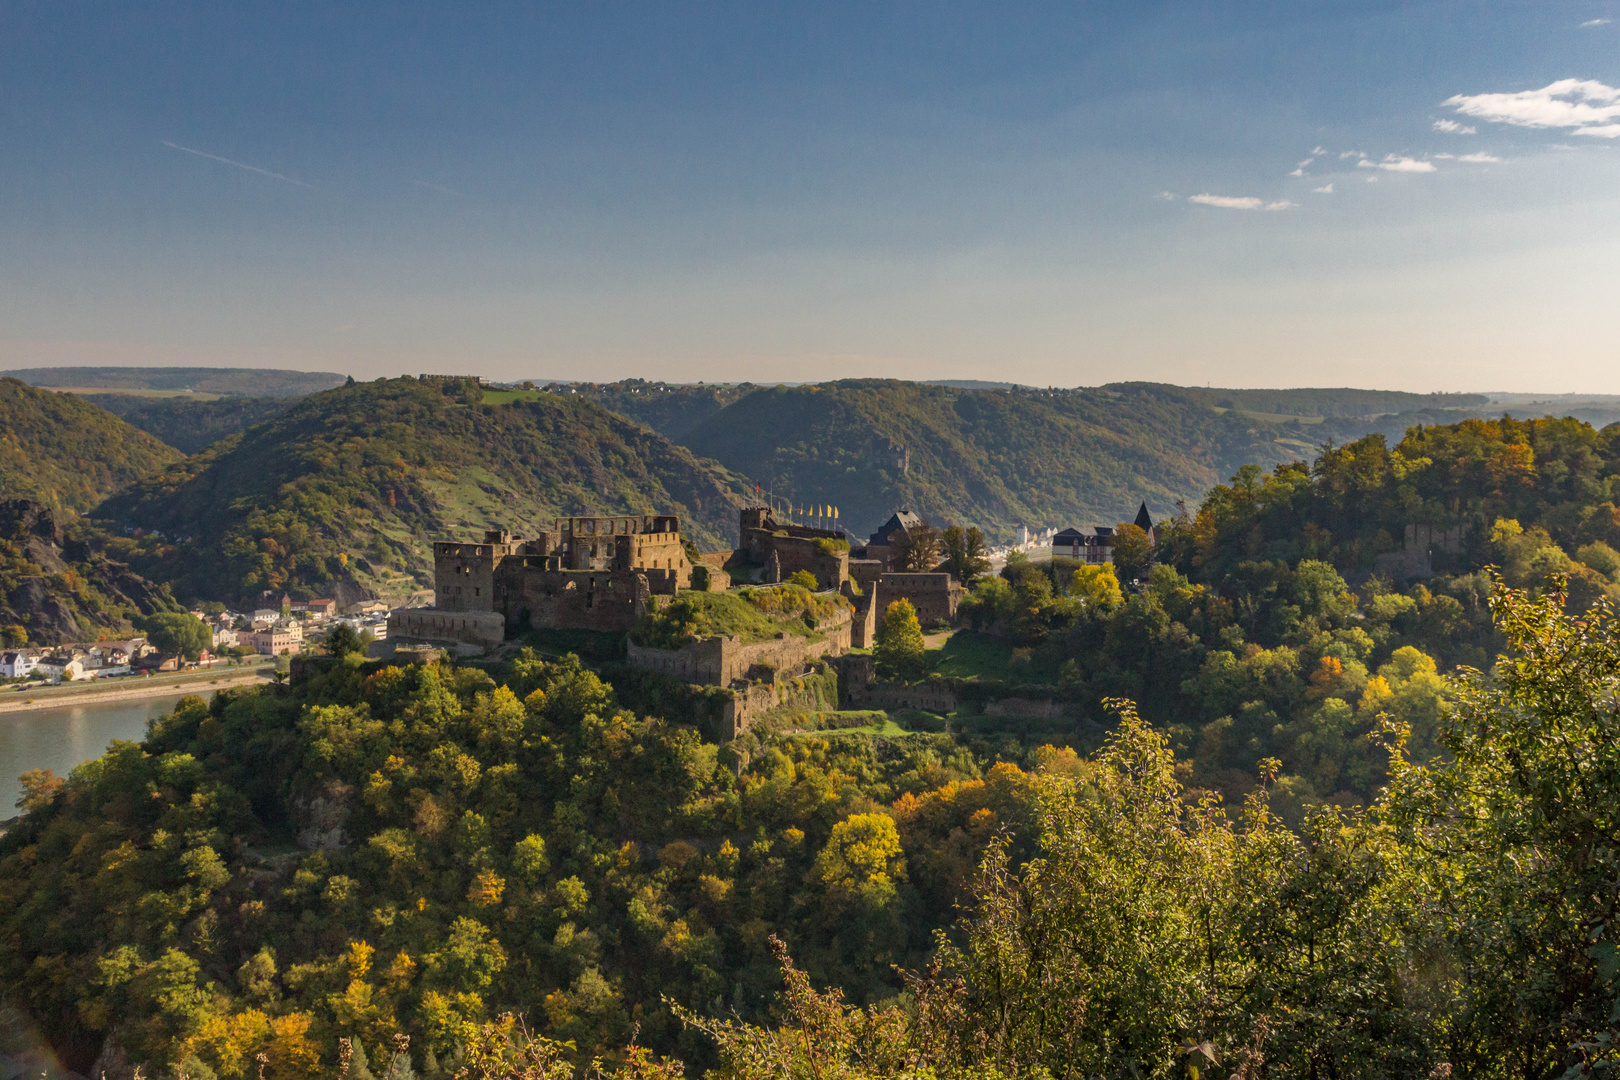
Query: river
{"x": 62, "y": 737}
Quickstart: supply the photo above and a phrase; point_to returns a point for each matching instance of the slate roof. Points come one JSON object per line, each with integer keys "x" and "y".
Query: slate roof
{"x": 900, "y": 520}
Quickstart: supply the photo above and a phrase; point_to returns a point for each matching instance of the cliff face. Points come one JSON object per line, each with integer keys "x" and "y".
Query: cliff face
{"x": 55, "y": 588}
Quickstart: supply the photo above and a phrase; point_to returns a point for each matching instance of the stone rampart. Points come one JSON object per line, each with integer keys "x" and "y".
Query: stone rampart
{"x": 935, "y": 596}
{"x": 485, "y": 628}
{"x": 939, "y": 697}
{"x": 719, "y": 661}
{"x": 608, "y": 600}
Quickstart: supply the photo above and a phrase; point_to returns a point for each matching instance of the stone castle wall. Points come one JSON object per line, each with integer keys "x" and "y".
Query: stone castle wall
{"x": 719, "y": 661}
{"x": 935, "y": 596}
{"x": 485, "y": 628}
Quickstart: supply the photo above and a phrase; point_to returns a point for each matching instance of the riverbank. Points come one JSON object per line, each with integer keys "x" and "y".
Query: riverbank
{"x": 203, "y": 683}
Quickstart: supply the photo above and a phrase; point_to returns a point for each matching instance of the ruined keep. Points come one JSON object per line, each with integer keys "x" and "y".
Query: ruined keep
{"x": 586, "y": 573}
{"x": 785, "y": 549}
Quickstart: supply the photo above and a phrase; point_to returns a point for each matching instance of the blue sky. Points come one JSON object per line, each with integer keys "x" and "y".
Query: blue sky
{"x": 1416, "y": 196}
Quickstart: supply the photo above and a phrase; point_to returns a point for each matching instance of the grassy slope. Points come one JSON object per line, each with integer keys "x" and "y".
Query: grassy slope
{"x": 67, "y": 453}
{"x": 345, "y": 491}
{"x": 990, "y": 458}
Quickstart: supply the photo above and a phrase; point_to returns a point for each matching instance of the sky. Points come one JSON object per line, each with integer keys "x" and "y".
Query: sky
{"x": 1394, "y": 195}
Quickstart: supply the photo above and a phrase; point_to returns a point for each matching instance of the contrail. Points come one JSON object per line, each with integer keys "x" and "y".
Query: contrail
{"x": 441, "y": 189}
{"x": 238, "y": 164}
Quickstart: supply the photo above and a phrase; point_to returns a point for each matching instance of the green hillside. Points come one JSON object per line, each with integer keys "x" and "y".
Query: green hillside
{"x": 344, "y": 492}
{"x": 252, "y": 382}
{"x": 673, "y": 410}
{"x": 55, "y": 587}
{"x": 186, "y": 423}
{"x": 1313, "y": 401}
{"x": 66, "y": 453}
{"x": 992, "y": 458}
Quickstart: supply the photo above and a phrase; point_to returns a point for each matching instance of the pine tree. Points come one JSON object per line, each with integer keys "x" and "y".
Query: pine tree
{"x": 359, "y": 1066}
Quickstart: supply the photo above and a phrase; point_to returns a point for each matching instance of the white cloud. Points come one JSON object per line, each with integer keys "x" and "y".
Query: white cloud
{"x": 1351, "y": 153}
{"x": 1391, "y": 163}
{"x": 1581, "y": 106}
{"x": 1168, "y": 196}
{"x": 1479, "y": 159}
{"x": 1228, "y": 202}
{"x": 1455, "y": 128}
{"x": 1318, "y": 152}
{"x": 1325, "y": 189}
{"x": 1297, "y": 172}
{"x": 1306, "y": 162}
{"x": 1240, "y": 202}
{"x": 1445, "y": 157}
{"x": 1596, "y": 22}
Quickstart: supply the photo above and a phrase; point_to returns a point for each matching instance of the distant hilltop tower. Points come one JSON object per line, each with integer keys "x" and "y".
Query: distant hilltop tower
{"x": 1023, "y": 534}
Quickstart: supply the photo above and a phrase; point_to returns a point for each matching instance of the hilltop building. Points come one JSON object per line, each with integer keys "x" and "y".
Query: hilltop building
{"x": 782, "y": 550}
{"x": 586, "y": 573}
{"x": 884, "y": 545}
{"x": 1094, "y": 544}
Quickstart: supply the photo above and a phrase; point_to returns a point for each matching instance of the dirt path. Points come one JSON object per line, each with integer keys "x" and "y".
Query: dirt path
{"x": 200, "y": 682}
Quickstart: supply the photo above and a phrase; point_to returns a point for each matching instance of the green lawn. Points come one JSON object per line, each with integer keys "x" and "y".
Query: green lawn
{"x": 506, "y": 397}
{"x": 881, "y": 725}
{"x": 970, "y": 654}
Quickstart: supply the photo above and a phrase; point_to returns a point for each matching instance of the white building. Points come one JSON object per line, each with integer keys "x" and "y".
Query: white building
{"x": 16, "y": 665}
{"x": 62, "y": 669}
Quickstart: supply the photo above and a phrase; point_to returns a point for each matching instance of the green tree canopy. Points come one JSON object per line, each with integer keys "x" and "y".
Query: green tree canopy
{"x": 178, "y": 634}
{"x": 899, "y": 646}
{"x": 965, "y": 553}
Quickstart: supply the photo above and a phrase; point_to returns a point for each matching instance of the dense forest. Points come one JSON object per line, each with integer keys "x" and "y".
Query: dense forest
{"x": 188, "y": 424}
{"x": 1270, "y": 827}
{"x": 380, "y": 851}
{"x": 988, "y": 458}
{"x": 344, "y": 492}
{"x": 67, "y": 453}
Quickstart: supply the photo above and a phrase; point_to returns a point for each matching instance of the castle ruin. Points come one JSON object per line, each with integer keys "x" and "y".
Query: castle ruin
{"x": 586, "y": 573}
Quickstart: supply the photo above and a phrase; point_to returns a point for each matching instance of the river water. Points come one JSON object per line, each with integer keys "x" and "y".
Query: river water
{"x": 60, "y": 738}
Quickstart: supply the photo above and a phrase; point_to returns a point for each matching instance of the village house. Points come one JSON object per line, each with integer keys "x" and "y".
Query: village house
{"x": 315, "y": 609}
{"x": 1094, "y": 544}
{"x": 275, "y": 640}
{"x": 19, "y": 663}
{"x": 62, "y": 668}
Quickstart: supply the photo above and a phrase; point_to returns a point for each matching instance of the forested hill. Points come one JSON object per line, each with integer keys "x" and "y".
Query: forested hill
{"x": 671, "y": 409}
{"x": 256, "y": 382}
{"x": 67, "y": 453}
{"x": 345, "y": 491}
{"x": 1312, "y": 401}
{"x": 991, "y": 458}
{"x": 186, "y": 423}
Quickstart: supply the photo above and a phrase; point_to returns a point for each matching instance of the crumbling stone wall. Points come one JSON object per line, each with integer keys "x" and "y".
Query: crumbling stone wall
{"x": 934, "y": 595}
{"x": 485, "y": 628}
{"x": 720, "y": 661}
{"x": 764, "y": 541}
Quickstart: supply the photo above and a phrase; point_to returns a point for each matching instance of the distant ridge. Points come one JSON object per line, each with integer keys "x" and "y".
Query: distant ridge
{"x": 975, "y": 384}
{"x": 247, "y": 382}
